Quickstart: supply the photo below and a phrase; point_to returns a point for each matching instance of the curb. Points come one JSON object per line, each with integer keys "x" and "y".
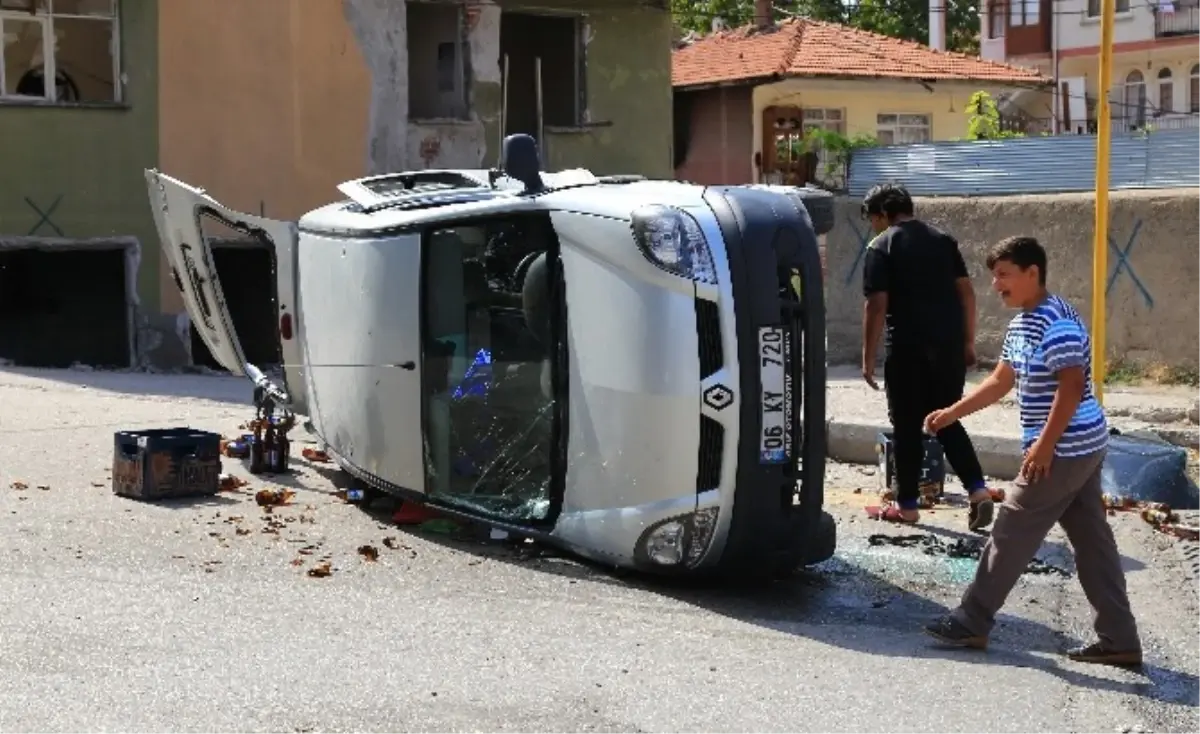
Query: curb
{"x": 854, "y": 443}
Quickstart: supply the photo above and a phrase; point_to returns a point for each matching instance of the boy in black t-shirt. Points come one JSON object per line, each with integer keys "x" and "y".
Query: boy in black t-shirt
{"x": 915, "y": 282}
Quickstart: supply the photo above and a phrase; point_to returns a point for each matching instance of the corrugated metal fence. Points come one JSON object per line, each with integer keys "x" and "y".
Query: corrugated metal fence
{"x": 1040, "y": 165}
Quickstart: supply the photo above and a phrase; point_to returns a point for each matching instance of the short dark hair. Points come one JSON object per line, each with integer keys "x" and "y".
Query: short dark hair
{"x": 1023, "y": 252}
{"x": 888, "y": 199}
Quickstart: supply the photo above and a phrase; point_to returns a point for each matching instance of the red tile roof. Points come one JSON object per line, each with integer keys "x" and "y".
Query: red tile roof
{"x": 804, "y": 47}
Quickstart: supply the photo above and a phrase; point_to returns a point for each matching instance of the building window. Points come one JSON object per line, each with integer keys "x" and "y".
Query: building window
{"x": 1166, "y": 92}
{"x": 996, "y": 22}
{"x": 1024, "y": 12}
{"x": 833, "y": 120}
{"x": 1133, "y": 105}
{"x": 898, "y": 129}
{"x": 543, "y": 59}
{"x": 437, "y": 84}
{"x": 75, "y": 43}
{"x": 1093, "y": 7}
{"x": 1194, "y": 91}
{"x": 817, "y": 118}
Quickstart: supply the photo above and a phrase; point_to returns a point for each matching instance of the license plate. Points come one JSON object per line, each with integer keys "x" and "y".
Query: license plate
{"x": 774, "y": 353}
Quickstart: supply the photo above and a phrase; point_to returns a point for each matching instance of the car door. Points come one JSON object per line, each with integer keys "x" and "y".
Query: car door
{"x": 178, "y": 208}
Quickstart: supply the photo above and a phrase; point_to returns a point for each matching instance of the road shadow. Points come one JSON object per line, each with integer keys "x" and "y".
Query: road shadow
{"x": 838, "y": 603}
{"x": 216, "y": 387}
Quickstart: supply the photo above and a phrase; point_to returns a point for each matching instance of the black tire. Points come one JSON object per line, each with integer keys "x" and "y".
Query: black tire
{"x": 820, "y": 206}
{"x": 822, "y": 547}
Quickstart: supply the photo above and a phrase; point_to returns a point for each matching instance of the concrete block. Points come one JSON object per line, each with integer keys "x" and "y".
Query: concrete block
{"x": 854, "y": 443}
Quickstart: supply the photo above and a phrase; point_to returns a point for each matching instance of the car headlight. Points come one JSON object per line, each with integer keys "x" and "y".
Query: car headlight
{"x": 680, "y": 540}
{"x": 664, "y": 544}
{"x": 672, "y": 239}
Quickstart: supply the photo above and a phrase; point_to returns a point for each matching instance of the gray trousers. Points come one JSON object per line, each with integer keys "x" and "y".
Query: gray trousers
{"x": 1069, "y": 495}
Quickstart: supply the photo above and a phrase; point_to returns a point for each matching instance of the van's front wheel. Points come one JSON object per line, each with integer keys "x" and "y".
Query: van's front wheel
{"x": 823, "y": 545}
{"x": 818, "y": 549}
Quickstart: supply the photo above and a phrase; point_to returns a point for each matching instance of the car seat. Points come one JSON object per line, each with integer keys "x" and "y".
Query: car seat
{"x": 535, "y": 299}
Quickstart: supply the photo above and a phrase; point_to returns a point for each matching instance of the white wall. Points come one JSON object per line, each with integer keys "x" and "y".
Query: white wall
{"x": 1078, "y": 30}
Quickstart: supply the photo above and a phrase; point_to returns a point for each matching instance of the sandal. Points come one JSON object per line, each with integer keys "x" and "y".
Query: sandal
{"x": 890, "y": 513}
{"x": 980, "y": 514}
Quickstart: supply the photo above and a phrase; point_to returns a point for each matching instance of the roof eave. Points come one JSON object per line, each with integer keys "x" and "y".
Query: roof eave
{"x": 770, "y": 78}
{"x": 747, "y": 82}
{"x": 919, "y": 79}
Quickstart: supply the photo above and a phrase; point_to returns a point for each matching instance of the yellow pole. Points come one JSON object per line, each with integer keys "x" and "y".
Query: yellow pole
{"x": 1100, "y": 246}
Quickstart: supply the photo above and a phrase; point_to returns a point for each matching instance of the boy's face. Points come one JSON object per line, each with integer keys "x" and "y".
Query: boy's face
{"x": 1016, "y": 286}
{"x": 878, "y": 222}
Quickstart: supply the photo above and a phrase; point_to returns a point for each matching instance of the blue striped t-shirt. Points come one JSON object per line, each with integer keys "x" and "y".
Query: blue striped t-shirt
{"x": 1040, "y": 343}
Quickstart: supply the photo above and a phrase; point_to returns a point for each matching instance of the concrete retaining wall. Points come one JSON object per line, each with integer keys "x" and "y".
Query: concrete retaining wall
{"x": 1153, "y": 306}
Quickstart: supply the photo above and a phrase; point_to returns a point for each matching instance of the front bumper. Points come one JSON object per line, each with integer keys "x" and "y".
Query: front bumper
{"x": 770, "y": 513}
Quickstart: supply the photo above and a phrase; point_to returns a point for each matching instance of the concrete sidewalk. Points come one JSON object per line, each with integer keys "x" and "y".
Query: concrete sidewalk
{"x": 856, "y": 414}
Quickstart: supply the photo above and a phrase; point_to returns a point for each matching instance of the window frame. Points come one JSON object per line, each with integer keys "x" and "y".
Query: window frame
{"x": 1093, "y": 8}
{"x": 895, "y": 126}
{"x": 558, "y": 356}
{"x": 462, "y": 81}
{"x": 1138, "y": 89}
{"x": 835, "y": 123}
{"x": 580, "y": 119}
{"x": 1166, "y": 102}
{"x": 42, "y": 11}
{"x": 1024, "y": 13}
{"x": 997, "y": 19}
{"x": 1194, "y": 90}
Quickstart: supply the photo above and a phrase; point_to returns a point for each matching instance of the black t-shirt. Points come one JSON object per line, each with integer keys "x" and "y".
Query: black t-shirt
{"x": 917, "y": 265}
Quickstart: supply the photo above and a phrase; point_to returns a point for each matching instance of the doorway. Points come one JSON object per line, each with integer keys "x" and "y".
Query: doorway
{"x": 62, "y": 304}
{"x": 546, "y": 49}
{"x": 246, "y": 271}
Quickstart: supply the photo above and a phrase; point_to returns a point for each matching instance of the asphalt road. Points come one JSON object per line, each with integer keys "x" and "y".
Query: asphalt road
{"x": 124, "y": 616}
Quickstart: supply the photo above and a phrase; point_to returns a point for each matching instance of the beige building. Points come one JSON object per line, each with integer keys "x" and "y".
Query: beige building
{"x": 1156, "y": 61}
{"x": 747, "y": 98}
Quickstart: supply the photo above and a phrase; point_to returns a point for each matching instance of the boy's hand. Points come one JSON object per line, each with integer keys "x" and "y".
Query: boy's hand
{"x": 938, "y": 419}
{"x": 1037, "y": 461}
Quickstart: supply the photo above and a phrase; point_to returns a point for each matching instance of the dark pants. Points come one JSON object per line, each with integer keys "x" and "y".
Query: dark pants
{"x": 918, "y": 382}
{"x": 1070, "y": 496}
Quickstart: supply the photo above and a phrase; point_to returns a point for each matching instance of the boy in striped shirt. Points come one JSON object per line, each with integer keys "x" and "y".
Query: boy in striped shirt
{"x": 1047, "y": 354}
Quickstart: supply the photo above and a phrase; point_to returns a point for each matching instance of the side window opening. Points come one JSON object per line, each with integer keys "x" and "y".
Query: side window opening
{"x": 488, "y": 366}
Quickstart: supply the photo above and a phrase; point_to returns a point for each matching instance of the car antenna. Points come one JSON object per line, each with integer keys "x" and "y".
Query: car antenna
{"x": 519, "y": 160}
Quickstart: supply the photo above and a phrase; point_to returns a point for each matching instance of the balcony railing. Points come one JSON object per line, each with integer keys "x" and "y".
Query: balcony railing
{"x": 1182, "y": 19}
{"x": 1168, "y": 121}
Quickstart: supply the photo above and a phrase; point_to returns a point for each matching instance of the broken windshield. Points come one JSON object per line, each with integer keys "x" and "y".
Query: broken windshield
{"x": 489, "y": 417}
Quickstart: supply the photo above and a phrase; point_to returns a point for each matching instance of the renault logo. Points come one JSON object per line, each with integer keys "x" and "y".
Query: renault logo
{"x": 718, "y": 397}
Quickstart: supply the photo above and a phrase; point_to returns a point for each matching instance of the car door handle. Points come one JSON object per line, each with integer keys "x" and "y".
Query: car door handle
{"x": 410, "y": 365}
